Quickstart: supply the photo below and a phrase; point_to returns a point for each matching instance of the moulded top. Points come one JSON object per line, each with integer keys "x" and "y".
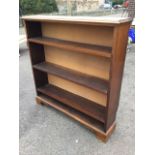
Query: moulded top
{"x": 79, "y": 19}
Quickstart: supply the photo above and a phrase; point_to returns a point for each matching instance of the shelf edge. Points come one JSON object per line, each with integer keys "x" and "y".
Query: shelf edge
{"x": 68, "y": 47}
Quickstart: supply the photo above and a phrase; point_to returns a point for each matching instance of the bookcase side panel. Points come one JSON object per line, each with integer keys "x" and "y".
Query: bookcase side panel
{"x": 33, "y": 29}
{"x": 36, "y": 52}
{"x": 116, "y": 72}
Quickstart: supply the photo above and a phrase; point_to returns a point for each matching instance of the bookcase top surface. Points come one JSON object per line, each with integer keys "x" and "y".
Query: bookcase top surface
{"x": 78, "y": 19}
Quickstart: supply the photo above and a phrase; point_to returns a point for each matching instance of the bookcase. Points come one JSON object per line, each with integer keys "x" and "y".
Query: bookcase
{"x": 77, "y": 64}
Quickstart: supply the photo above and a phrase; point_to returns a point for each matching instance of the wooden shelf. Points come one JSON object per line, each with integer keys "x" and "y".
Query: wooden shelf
{"x": 86, "y": 106}
{"x": 80, "y": 117}
{"x": 74, "y": 76}
{"x": 74, "y": 46}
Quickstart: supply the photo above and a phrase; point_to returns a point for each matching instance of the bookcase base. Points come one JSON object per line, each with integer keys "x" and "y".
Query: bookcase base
{"x": 105, "y": 137}
{"x": 96, "y": 128}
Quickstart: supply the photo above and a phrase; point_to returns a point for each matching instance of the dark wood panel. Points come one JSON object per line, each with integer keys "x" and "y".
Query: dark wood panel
{"x": 80, "y": 117}
{"x": 40, "y": 78}
{"x": 74, "y": 46}
{"x": 79, "y": 103}
{"x": 33, "y": 29}
{"x": 74, "y": 76}
{"x": 116, "y": 72}
{"x": 37, "y": 54}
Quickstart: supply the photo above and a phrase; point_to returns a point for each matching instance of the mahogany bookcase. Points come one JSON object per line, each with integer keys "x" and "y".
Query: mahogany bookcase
{"x": 77, "y": 64}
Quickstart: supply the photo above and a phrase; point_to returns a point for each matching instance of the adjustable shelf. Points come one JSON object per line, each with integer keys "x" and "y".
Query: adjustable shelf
{"x": 88, "y": 107}
{"x": 77, "y": 64}
{"x": 74, "y": 46}
{"x": 75, "y": 76}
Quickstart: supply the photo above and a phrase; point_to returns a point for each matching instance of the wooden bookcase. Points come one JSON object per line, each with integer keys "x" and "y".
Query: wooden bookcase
{"x": 77, "y": 64}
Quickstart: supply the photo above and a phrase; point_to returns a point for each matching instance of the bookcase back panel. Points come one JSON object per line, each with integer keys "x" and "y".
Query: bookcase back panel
{"x": 99, "y": 35}
{"x": 84, "y": 63}
{"x": 90, "y": 94}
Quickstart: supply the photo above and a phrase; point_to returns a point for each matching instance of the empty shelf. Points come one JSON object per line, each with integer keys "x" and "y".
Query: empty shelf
{"x": 74, "y": 76}
{"x": 78, "y": 116}
{"x": 74, "y": 46}
{"x": 79, "y": 103}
